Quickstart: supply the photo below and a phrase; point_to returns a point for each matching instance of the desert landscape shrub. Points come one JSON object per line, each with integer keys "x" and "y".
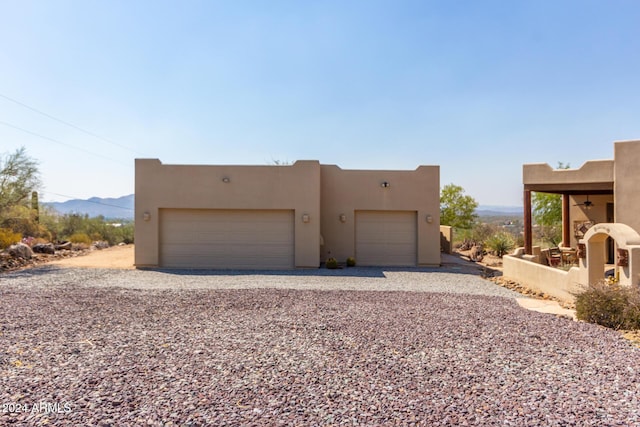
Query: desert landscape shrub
{"x": 80, "y": 238}
{"x": 500, "y": 243}
{"x": 97, "y": 228}
{"x": 8, "y": 238}
{"x": 609, "y": 305}
{"x": 351, "y": 262}
{"x": 332, "y": 263}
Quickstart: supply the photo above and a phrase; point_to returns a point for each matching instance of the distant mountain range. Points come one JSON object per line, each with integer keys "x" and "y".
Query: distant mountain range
{"x": 490, "y": 210}
{"x": 121, "y": 207}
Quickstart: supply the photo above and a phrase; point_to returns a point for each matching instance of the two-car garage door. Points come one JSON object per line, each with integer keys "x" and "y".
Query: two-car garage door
{"x": 226, "y": 239}
{"x": 386, "y": 238}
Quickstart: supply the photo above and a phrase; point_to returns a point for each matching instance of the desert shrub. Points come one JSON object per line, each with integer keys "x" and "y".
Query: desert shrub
{"x": 461, "y": 239}
{"x": 8, "y": 238}
{"x": 500, "y": 243}
{"x": 611, "y": 306}
{"x": 80, "y": 238}
{"x": 467, "y": 238}
{"x": 482, "y": 232}
{"x": 351, "y": 262}
{"x": 23, "y": 220}
{"x": 332, "y": 263}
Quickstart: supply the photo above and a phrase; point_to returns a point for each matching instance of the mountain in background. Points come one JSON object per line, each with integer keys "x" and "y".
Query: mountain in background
{"x": 489, "y": 210}
{"x": 121, "y": 207}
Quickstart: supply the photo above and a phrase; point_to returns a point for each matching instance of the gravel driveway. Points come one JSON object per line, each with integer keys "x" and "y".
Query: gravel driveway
{"x": 348, "y": 347}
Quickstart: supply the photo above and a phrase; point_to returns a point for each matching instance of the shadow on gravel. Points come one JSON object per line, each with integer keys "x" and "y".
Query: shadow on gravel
{"x": 39, "y": 270}
{"x": 450, "y": 264}
{"x": 371, "y": 272}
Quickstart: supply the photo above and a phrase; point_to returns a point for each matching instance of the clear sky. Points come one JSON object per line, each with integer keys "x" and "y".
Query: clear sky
{"x": 477, "y": 87}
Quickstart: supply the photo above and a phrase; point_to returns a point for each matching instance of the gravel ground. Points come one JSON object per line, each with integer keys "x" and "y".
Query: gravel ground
{"x": 100, "y": 347}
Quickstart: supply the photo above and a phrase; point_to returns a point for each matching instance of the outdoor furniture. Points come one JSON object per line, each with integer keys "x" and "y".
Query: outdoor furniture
{"x": 569, "y": 256}
{"x": 554, "y": 257}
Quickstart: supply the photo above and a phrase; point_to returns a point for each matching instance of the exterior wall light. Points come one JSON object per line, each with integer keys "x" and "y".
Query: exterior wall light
{"x": 305, "y": 218}
{"x": 226, "y": 180}
{"x": 429, "y": 219}
{"x": 146, "y": 216}
{"x": 385, "y": 184}
{"x": 343, "y": 218}
{"x": 622, "y": 258}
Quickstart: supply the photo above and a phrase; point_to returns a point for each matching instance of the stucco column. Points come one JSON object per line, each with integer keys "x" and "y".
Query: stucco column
{"x": 528, "y": 240}
{"x": 566, "y": 223}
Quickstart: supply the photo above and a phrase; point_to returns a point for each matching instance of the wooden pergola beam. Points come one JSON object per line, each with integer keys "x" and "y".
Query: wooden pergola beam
{"x": 528, "y": 239}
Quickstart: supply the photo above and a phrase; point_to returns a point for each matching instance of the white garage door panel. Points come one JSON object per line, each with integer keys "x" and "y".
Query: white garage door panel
{"x": 386, "y": 238}
{"x": 232, "y": 239}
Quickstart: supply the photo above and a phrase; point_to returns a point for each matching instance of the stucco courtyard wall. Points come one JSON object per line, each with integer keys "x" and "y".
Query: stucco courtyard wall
{"x": 343, "y": 192}
{"x": 552, "y": 281}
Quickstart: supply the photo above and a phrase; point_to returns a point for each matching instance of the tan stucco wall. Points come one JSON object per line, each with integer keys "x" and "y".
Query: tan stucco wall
{"x": 343, "y": 192}
{"x": 594, "y": 171}
{"x": 294, "y": 187}
{"x": 446, "y": 239}
{"x": 627, "y": 183}
{"x": 552, "y": 281}
{"x": 323, "y": 192}
{"x": 597, "y": 214}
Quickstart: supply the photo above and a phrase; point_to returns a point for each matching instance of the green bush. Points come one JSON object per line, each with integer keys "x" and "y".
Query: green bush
{"x": 351, "y": 262}
{"x": 500, "y": 243}
{"x": 611, "y": 306}
{"x": 482, "y": 232}
{"x": 332, "y": 263}
{"x": 8, "y": 238}
{"x": 80, "y": 238}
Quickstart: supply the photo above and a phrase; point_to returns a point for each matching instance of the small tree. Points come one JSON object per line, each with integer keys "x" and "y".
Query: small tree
{"x": 19, "y": 176}
{"x": 547, "y": 213}
{"x": 457, "y": 209}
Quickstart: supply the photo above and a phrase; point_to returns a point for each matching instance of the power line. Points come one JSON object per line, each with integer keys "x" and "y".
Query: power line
{"x": 60, "y": 142}
{"x": 88, "y": 201}
{"x": 70, "y": 124}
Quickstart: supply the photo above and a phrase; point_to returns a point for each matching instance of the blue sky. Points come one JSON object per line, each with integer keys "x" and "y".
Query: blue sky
{"x": 477, "y": 87}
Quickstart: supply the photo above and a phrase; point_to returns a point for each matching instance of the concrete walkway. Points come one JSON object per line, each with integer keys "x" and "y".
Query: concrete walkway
{"x": 546, "y": 306}
{"x": 455, "y": 263}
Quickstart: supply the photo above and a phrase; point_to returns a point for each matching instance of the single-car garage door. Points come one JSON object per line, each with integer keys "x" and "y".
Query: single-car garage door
{"x": 226, "y": 239}
{"x": 386, "y": 238}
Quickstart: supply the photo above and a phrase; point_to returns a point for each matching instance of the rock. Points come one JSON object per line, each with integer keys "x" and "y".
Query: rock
{"x": 476, "y": 253}
{"x": 101, "y": 244}
{"x": 63, "y": 246}
{"x": 20, "y": 250}
{"x": 44, "y": 248}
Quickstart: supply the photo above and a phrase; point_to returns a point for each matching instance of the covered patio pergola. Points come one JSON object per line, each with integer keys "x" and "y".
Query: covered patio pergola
{"x": 592, "y": 179}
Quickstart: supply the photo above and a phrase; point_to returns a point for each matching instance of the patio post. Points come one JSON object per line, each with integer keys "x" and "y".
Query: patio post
{"x": 528, "y": 241}
{"x": 566, "y": 226}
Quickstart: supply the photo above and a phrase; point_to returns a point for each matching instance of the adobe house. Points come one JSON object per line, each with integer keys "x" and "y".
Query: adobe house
{"x": 600, "y": 223}
{"x": 283, "y": 217}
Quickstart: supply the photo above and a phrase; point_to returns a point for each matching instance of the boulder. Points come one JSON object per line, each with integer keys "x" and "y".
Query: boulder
{"x": 477, "y": 253}
{"x": 44, "y": 248}
{"x": 100, "y": 244}
{"x": 63, "y": 246}
{"x": 20, "y": 250}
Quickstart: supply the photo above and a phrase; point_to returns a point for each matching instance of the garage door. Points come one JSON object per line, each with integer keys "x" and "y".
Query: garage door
{"x": 226, "y": 239}
{"x": 386, "y": 238}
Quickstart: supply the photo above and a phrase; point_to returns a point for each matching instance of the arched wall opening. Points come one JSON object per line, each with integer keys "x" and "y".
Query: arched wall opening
{"x": 592, "y": 263}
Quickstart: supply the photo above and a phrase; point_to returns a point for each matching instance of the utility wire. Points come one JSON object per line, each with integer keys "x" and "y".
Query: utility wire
{"x": 61, "y": 143}
{"x": 70, "y": 124}
{"x": 87, "y": 201}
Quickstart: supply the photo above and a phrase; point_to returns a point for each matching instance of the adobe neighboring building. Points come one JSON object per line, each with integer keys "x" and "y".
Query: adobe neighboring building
{"x": 283, "y": 217}
{"x": 600, "y": 223}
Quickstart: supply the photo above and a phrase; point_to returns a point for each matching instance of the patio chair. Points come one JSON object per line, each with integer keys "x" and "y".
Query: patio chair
{"x": 554, "y": 257}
